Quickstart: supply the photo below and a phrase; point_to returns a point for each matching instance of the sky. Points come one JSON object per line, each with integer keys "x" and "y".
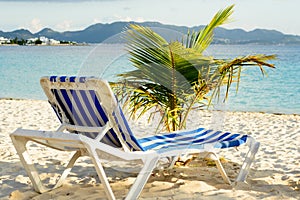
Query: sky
{"x": 70, "y": 15}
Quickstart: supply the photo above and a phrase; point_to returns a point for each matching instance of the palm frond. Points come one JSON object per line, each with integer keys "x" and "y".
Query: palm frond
{"x": 230, "y": 70}
{"x": 203, "y": 38}
{"x": 173, "y": 78}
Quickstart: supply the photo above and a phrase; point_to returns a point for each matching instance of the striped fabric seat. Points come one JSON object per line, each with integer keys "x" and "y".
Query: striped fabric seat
{"x": 182, "y": 139}
{"x": 78, "y": 106}
{"x": 190, "y": 138}
{"x": 96, "y": 127}
{"x": 75, "y": 105}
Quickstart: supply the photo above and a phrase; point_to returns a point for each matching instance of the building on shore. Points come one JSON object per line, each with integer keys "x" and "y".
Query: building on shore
{"x": 4, "y": 40}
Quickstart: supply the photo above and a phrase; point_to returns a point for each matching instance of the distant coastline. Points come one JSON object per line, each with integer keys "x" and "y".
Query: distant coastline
{"x": 58, "y": 45}
{"x": 112, "y": 33}
{"x": 41, "y": 41}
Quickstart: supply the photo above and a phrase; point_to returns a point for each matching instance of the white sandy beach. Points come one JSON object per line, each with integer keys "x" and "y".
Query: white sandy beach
{"x": 275, "y": 174}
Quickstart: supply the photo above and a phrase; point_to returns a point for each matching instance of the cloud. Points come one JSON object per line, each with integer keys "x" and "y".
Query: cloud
{"x": 35, "y": 25}
{"x": 116, "y": 17}
{"x": 96, "y": 21}
{"x": 128, "y": 19}
{"x": 65, "y": 25}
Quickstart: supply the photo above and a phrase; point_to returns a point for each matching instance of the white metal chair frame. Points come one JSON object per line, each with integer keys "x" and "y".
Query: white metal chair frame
{"x": 86, "y": 146}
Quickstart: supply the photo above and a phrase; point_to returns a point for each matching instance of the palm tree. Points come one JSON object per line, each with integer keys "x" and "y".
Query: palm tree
{"x": 175, "y": 77}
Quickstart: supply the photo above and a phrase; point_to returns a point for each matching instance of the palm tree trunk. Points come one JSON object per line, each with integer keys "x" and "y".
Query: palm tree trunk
{"x": 173, "y": 96}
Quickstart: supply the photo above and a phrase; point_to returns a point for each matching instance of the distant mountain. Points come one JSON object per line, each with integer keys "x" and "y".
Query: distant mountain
{"x": 110, "y": 33}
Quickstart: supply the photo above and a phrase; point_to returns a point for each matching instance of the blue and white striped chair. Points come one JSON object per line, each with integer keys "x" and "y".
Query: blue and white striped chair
{"x": 93, "y": 122}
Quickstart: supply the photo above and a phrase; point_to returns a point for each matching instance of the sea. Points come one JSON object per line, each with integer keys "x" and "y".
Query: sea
{"x": 21, "y": 68}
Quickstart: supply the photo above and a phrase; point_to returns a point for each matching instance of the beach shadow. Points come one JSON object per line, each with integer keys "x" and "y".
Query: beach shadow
{"x": 14, "y": 177}
{"x": 260, "y": 183}
{"x": 10, "y": 176}
{"x": 15, "y": 183}
{"x": 176, "y": 183}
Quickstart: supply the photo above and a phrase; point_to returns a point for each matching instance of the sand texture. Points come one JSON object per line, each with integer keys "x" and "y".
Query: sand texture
{"x": 275, "y": 174}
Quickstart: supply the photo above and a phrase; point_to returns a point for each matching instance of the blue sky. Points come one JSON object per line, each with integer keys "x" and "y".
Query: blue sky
{"x": 281, "y": 15}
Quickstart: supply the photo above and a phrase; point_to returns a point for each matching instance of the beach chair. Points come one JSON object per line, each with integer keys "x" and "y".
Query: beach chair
{"x": 93, "y": 124}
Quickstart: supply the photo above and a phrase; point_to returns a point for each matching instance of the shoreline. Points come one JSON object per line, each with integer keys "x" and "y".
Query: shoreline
{"x": 275, "y": 174}
{"x": 212, "y": 110}
{"x": 43, "y": 45}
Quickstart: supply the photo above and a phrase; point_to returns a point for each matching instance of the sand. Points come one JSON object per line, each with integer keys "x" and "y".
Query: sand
{"x": 275, "y": 174}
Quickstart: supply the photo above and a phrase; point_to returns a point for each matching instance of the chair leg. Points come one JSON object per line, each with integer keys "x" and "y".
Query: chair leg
{"x": 135, "y": 190}
{"x": 173, "y": 161}
{"x": 253, "y": 148}
{"x": 101, "y": 173}
{"x": 215, "y": 157}
{"x": 142, "y": 178}
{"x": 20, "y": 145}
{"x": 68, "y": 169}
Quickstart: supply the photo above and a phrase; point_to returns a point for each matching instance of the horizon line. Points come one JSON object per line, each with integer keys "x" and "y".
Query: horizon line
{"x": 109, "y": 23}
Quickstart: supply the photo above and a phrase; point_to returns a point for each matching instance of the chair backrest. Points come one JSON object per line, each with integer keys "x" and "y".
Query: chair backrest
{"x": 90, "y": 102}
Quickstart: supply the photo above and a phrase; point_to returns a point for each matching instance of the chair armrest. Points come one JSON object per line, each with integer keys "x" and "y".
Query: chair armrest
{"x": 101, "y": 130}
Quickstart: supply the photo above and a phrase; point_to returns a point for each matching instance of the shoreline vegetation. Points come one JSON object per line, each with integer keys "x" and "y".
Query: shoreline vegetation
{"x": 77, "y": 44}
{"x": 41, "y": 41}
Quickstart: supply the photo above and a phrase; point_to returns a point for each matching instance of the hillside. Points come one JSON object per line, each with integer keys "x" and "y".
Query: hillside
{"x": 98, "y": 33}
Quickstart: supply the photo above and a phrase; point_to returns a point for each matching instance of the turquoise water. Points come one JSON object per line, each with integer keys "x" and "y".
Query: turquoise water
{"x": 22, "y": 66}
{"x": 279, "y": 92}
